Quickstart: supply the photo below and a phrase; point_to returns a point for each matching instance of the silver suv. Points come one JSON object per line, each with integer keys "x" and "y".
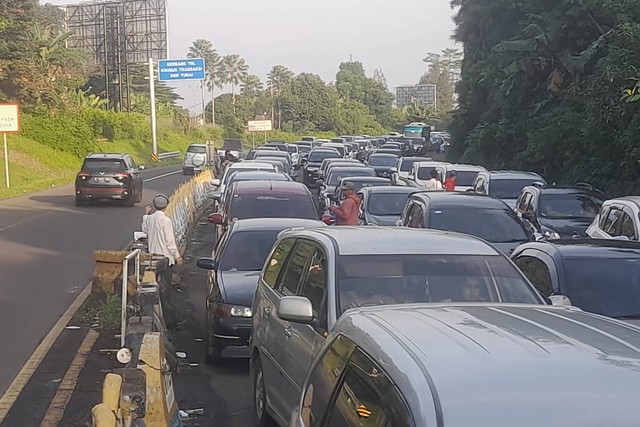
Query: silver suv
{"x": 321, "y": 273}
{"x": 195, "y": 159}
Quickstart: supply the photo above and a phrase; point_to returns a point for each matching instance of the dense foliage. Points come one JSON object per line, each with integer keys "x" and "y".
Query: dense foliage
{"x": 551, "y": 86}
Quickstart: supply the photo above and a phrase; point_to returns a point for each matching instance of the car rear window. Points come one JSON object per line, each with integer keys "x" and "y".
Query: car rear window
{"x": 196, "y": 149}
{"x": 319, "y": 156}
{"x": 105, "y": 165}
{"x": 272, "y": 206}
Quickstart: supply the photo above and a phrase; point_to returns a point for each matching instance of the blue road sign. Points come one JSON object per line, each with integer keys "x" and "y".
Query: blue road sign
{"x": 181, "y": 69}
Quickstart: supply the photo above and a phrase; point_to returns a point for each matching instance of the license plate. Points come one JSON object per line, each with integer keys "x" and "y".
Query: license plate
{"x": 99, "y": 179}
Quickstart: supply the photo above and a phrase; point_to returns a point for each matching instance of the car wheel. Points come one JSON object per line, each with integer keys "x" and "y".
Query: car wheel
{"x": 139, "y": 196}
{"x": 129, "y": 202}
{"x": 260, "y": 414}
{"x": 212, "y": 352}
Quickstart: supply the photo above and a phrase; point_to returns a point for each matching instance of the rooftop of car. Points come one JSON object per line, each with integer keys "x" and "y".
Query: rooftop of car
{"x": 266, "y": 187}
{"x": 323, "y": 149}
{"x": 399, "y": 240}
{"x": 257, "y": 224}
{"x": 417, "y": 159}
{"x": 488, "y": 357}
{"x": 393, "y": 189}
{"x": 463, "y": 167}
{"x": 431, "y": 163}
{"x": 346, "y": 168}
{"x": 630, "y": 199}
{"x": 257, "y": 174}
{"x": 272, "y": 153}
{"x": 567, "y": 189}
{"x": 390, "y": 155}
{"x": 587, "y": 248}
{"x": 505, "y": 174}
{"x": 106, "y": 155}
{"x": 365, "y": 178}
{"x": 246, "y": 164}
{"x": 443, "y": 199}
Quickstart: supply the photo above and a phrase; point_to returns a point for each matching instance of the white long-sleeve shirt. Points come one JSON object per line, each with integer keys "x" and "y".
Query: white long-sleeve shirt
{"x": 160, "y": 237}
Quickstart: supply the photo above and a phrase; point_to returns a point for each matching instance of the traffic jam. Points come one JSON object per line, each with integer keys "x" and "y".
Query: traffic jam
{"x": 371, "y": 283}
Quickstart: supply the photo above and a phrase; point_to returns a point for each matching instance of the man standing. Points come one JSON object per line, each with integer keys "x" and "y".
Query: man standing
{"x": 161, "y": 241}
{"x": 450, "y": 182}
{"x": 433, "y": 184}
{"x": 347, "y": 212}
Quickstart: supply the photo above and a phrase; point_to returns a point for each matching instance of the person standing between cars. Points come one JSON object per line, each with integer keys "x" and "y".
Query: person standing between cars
{"x": 433, "y": 184}
{"x": 347, "y": 212}
{"x": 161, "y": 241}
{"x": 450, "y": 182}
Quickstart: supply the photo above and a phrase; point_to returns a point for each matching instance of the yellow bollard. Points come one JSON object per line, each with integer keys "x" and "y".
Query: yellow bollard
{"x": 102, "y": 416}
{"x": 111, "y": 391}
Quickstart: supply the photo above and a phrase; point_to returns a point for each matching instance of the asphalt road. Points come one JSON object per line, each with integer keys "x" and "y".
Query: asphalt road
{"x": 47, "y": 245}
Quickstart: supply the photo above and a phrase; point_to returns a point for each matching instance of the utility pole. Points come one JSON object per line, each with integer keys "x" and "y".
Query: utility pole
{"x": 152, "y": 98}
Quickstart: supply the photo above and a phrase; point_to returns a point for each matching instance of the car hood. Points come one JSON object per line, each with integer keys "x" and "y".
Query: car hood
{"x": 238, "y": 287}
{"x": 510, "y": 202}
{"x": 567, "y": 227}
{"x": 382, "y": 220}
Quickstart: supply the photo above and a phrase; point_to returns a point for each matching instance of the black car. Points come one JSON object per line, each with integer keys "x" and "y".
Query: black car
{"x": 559, "y": 212}
{"x": 505, "y": 185}
{"x": 109, "y": 177}
{"x": 234, "y": 268}
{"x": 482, "y": 216}
{"x": 383, "y": 205}
{"x": 382, "y": 163}
{"x": 600, "y": 276}
{"x": 359, "y": 182}
{"x": 278, "y": 145}
{"x": 336, "y": 173}
{"x": 393, "y": 151}
{"x": 251, "y": 155}
{"x": 312, "y": 164}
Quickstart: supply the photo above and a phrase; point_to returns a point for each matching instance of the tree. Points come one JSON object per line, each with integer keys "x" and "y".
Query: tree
{"x": 234, "y": 70}
{"x": 214, "y": 79}
{"x": 443, "y": 71}
{"x": 251, "y": 86}
{"x": 277, "y": 79}
{"x": 202, "y": 48}
{"x": 307, "y": 103}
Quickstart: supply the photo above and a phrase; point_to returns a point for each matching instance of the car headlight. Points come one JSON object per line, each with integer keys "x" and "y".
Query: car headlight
{"x": 552, "y": 235}
{"x": 240, "y": 312}
{"x": 312, "y": 169}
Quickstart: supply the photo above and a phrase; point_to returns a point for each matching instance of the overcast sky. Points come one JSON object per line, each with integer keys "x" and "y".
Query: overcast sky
{"x": 314, "y": 36}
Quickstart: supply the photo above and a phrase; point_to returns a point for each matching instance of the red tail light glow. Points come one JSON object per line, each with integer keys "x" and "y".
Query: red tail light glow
{"x": 121, "y": 176}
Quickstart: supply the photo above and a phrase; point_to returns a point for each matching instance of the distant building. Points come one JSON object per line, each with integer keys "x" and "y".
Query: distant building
{"x": 424, "y": 94}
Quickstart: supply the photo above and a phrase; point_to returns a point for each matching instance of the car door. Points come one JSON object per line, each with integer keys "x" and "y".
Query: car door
{"x": 303, "y": 342}
{"x": 628, "y": 227}
{"x": 280, "y": 342}
{"x": 266, "y": 329}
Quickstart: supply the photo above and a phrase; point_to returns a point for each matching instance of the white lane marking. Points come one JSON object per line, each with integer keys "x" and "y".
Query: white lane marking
{"x": 15, "y": 224}
{"x": 163, "y": 176}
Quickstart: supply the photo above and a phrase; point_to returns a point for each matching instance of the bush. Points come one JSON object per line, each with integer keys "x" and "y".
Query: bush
{"x": 62, "y": 131}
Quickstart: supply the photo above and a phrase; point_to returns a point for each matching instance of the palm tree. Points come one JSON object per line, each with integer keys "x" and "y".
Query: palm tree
{"x": 279, "y": 77}
{"x": 251, "y": 86}
{"x": 234, "y": 71}
{"x": 214, "y": 79}
{"x": 201, "y": 48}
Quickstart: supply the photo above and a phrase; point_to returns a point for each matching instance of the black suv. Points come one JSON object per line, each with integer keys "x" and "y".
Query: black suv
{"x": 311, "y": 168}
{"x": 109, "y": 177}
{"x": 559, "y": 212}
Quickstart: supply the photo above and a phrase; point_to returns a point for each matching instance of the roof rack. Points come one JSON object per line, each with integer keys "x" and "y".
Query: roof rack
{"x": 538, "y": 184}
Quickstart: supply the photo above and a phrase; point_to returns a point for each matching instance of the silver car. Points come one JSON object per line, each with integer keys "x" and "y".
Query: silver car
{"x": 473, "y": 365}
{"x": 327, "y": 271}
{"x": 195, "y": 159}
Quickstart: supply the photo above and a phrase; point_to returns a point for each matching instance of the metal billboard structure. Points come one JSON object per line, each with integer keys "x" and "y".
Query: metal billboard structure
{"x": 118, "y": 34}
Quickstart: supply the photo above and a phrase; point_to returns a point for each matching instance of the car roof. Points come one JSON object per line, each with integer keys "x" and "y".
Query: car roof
{"x": 417, "y": 159}
{"x": 265, "y": 187}
{"x": 635, "y": 200}
{"x": 342, "y": 169}
{"x": 586, "y": 248}
{"x": 273, "y": 153}
{"x": 454, "y": 199}
{"x": 510, "y": 174}
{"x": 257, "y": 224}
{"x": 106, "y": 156}
{"x": 266, "y": 174}
{"x": 465, "y": 168}
{"x": 399, "y": 240}
{"x": 392, "y": 189}
{"x": 250, "y": 164}
{"x": 383, "y": 155}
{"x": 430, "y": 164}
{"x": 324, "y": 150}
{"x": 497, "y": 360}
{"x": 365, "y": 178}
{"x": 566, "y": 189}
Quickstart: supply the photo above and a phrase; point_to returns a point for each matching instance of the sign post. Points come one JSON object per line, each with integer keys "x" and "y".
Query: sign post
{"x": 154, "y": 120}
{"x": 9, "y": 123}
{"x": 260, "y": 126}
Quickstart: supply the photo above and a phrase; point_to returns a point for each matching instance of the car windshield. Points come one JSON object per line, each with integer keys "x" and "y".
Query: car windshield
{"x": 493, "y": 225}
{"x": 105, "y": 165}
{"x": 607, "y": 286}
{"x": 272, "y": 206}
{"x": 197, "y": 149}
{"x": 425, "y": 171}
{"x": 569, "y": 205}
{"x": 304, "y": 148}
{"x": 407, "y": 164}
{"x": 509, "y": 188}
{"x": 336, "y": 174}
{"x": 382, "y": 161}
{"x": 319, "y": 156}
{"x": 247, "y": 250}
{"x": 387, "y": 203}
{"x": 403, "y": 279}
{"x": 466, "y": 178}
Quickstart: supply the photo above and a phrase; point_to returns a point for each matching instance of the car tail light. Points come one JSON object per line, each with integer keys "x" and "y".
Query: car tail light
{"x": 122, "y": 176}
{"x": 84, "y": 176}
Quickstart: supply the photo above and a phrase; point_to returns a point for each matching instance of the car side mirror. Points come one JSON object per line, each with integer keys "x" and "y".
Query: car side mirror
{"x": 296, "y": 309}
{"x": 528, "y": 216}
{"x": 207, "y": 264}
{"x": 215, "y": 182}
{"x": 560, "y": 300}
{"x": 142, "y": 167}
{"x": 216, "y": 218}
{"x": 538, "y": 237}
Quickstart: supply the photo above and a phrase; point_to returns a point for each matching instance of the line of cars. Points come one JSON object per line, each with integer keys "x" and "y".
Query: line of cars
{"x": 410, "y": 325}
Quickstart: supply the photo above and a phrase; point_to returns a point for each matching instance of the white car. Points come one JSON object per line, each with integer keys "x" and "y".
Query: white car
{"x": 421, "y": 173}
{"x": 246, "y": 165}
{"x": 618, "y": 219}
{"x": 401, "y": 171}
{"x": 465, "y": 175}
{"x": 195, "y": 159}
{"x": 294, "y": 152}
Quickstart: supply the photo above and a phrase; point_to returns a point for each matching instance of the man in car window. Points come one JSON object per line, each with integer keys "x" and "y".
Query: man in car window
{"x": 347, "y": 212}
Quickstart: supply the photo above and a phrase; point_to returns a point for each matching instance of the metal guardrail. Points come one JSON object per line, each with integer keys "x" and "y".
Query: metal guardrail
{"x": 168, "y": 155}
{"x": 125, "y": 291}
